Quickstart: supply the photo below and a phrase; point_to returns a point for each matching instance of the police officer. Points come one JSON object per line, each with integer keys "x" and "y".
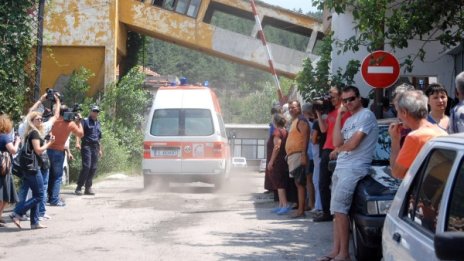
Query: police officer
{"x": 91, "y": 150}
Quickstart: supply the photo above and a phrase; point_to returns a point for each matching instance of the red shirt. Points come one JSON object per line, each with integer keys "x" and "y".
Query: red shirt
{"x": 330, "y": 122}
{"x": 61, "y": 129}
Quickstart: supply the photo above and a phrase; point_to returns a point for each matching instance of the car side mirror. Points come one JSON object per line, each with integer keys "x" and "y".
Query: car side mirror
{"x": 449, "y": 245}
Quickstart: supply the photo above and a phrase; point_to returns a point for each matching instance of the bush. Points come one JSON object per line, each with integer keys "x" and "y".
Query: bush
{"x": 123, "y": 106}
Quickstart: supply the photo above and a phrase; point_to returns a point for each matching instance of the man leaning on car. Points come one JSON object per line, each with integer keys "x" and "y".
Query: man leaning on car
{"x": 355, "y": 145}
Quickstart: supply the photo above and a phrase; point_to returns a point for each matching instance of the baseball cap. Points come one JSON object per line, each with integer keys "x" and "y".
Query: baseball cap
{"x": 95, "y": 108}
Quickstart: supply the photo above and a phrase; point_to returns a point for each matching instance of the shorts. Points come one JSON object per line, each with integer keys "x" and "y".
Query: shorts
{"x": 310, "y": 167}
{"x": 344, "y": 182}
{"x": 294, "y": 161}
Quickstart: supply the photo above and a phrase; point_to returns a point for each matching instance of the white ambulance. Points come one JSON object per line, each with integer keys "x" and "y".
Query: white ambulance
{"x": 185, "y": 138}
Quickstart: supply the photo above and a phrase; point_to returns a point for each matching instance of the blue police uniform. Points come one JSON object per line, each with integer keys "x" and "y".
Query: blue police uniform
{"x": 90, "y": 148}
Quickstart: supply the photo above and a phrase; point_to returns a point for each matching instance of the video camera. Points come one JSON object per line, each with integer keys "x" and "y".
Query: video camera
{"x": 322, "y": 103}
{"x": 51, "y": 95}
{"x": 73, "y": 113}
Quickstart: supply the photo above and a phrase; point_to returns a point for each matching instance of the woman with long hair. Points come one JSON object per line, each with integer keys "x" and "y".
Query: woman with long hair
{"x": 34, "y": 136}
{"x": 7, "y": 144}
{"x": 438, "y": 100}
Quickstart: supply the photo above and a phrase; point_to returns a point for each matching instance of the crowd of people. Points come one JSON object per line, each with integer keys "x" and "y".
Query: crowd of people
{"x": 36, "y": 152}
{"x": 301, "y": 148}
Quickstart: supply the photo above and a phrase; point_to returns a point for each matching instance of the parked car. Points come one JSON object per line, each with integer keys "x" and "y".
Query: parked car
{"x": 262, "y": 165}
{"x": 371, "y": 200}
{"x": 239, "y": 162}
{"x": 426, "y": 218}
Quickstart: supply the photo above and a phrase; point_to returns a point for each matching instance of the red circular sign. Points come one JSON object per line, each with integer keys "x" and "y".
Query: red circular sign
{"x": 380, "y": 69}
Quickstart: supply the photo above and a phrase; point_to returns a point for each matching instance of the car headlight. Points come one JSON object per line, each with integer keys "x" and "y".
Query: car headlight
{"x": 379, "y": 207}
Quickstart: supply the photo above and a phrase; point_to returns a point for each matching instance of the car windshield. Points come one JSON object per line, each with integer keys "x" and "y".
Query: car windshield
{"x": 182, "y": 122}
{"x": 383, "y": 147}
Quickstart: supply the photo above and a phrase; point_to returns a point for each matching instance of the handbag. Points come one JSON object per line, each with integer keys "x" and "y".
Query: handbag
{"x": 5, "y": 163}
{"x": 27, "y": 158}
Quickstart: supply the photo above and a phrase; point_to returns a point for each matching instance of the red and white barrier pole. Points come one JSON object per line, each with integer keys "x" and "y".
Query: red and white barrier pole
{"x": 268, "y": 50}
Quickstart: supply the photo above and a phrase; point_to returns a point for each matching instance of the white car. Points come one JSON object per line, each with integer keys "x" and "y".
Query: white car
{"x": 426, "y": 218}
{"x": 239, "y": 162}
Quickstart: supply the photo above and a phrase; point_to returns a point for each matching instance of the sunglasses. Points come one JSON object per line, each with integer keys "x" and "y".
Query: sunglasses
{"x": 349, "y": 99}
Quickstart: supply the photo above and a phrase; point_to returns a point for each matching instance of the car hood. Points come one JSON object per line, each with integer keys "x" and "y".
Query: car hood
{"x": 378, "y": 185}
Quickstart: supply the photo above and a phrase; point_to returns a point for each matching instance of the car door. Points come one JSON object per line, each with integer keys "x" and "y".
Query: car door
{"x": 412, "y": 222}
{"x": 453, "y": 209}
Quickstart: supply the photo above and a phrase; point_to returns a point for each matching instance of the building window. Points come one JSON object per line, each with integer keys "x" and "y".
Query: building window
{"x": 249, "y": 148}
{"x": 185, "y": 7}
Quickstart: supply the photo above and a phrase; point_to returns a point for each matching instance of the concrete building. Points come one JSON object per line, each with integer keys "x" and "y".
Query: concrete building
{"x": 93, "y": 34}
{"x": 249, "y": 141}
{"x": 438, "y": 65}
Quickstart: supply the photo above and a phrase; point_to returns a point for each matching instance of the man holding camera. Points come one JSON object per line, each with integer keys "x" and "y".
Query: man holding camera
{"x": 91, "y": 150}
{"x": 62, "y": 128}
{"x": 327, "y": 125}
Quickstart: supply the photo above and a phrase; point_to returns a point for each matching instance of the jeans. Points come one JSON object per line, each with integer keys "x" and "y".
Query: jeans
{"x": 35, "y": 183}
{"x": 24, "y": 189}
{"x": 89, "y": 155}
{"x": 56, "y": 174}
{"x": 325, "y": 179}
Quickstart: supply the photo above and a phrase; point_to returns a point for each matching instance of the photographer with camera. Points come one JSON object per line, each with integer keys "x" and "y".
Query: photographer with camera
{"x": 326, "y": 125}
{"x": 47, "y": 127}
{"x": 91, "y": 150}
{"x": 68, "y": 122}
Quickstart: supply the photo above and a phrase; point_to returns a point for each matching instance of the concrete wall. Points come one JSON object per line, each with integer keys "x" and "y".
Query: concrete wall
{"x": 81, "y": 33}
{"x": 436, "y": 62}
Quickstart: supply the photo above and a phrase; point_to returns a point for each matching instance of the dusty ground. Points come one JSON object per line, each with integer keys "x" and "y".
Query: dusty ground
{"x": 185, "y": 222}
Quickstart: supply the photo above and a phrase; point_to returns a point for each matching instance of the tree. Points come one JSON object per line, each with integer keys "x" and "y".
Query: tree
{"x": 314, "y": 81}
{"x": 426, "y": 21}
{"x": 16, "y": 41}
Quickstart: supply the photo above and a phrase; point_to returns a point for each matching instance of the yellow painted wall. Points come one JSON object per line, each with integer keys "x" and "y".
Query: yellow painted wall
{"x": 63, "y": 60}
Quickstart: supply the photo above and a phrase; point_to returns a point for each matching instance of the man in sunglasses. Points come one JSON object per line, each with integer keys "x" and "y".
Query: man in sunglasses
{"x": 355, "y": 145}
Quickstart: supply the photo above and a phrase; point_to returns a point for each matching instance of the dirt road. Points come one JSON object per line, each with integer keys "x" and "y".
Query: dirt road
{"x": 185, "y": 222}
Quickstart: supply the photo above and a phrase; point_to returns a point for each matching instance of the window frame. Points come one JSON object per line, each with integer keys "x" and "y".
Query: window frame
{"x": 416, "y": 187}
{"x": 457, "y": 175}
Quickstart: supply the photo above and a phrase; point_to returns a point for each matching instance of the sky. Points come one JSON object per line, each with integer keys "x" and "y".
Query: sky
{"x": 305, "y": 5}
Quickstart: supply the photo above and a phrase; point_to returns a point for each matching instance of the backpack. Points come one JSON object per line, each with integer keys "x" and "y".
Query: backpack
{"x": 5, "y": 163}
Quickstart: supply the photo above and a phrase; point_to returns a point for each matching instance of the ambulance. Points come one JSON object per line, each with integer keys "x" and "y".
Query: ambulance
{"x": 185, "y": 138}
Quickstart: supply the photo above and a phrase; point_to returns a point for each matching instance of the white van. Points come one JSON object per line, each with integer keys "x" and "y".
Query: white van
{"x": 185, "y": 138}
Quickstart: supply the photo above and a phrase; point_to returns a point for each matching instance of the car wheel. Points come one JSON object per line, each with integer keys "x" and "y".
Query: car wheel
{"x": 361, "y": 251}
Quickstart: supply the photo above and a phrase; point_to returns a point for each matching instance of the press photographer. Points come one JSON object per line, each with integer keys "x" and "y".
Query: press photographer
{"x": 56, "y": 152}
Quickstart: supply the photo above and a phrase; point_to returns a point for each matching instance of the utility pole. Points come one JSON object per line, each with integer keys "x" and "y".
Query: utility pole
{"x": 38, "y": 56}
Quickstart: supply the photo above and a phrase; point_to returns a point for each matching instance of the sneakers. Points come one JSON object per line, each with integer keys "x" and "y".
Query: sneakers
{"x": 324, "y": 217}
{"x": 45, "y": 217}
{"x": 78, "y": 192}
{"x": 38, "y": 226}
{"x": 58, "y": 204}
{"x": 89, "y": 191}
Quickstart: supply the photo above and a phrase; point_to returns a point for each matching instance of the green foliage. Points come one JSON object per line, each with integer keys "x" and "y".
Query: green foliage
{"x": 75, "y": 90}
{"x": 393, "y": 23}
{"x": 123, "y": 106}
{"x": 313, "y": 81}
{"x": 15, "y": 47}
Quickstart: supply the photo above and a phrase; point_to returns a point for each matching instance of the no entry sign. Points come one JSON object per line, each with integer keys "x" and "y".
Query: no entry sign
{"x": 380, "y": 69}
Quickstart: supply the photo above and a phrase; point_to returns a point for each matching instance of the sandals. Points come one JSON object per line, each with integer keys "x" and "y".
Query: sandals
{"x": 325, "y": 258}
{"x": 16, "y": 220}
